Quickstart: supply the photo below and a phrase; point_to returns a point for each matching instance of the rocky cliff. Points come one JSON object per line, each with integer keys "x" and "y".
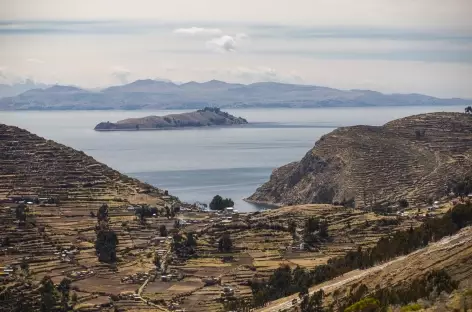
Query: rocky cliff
{"x": 412, "y": 158}
{"x": 202, "y": 118}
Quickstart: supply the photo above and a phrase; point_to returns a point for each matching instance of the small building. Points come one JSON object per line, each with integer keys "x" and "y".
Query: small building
{"x": 229, "y": 210}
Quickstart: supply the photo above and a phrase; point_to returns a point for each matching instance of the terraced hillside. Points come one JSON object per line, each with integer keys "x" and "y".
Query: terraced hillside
{"x": 59, "y": 235}
{"x": 34, "y": 166}
{"x": 453, "y": 254}
{"x": 412, "y": 158}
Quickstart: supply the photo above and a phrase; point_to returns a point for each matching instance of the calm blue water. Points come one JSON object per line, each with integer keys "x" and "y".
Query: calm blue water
{"x": 196, "y": 164}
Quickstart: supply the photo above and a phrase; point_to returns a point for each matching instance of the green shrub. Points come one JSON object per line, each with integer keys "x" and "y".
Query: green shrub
{"x": 365, "y": 305}
{"x": 411, "y": 307}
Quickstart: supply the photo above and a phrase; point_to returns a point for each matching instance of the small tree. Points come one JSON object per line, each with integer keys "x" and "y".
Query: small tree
{"x": 191, "y": 241}
{"x": 225, "y": 243}
{"x": 292, "y": 227}
{"x": 24, "y": 266}
{"x": 20, "y": 213}
{"x": 218, "y": 203}
{"x": 163, "y": 230}
{"x": 49, "y": 296}
{"x": 64, "y": 289}
{"x": 468, "y": 110}
{"x": 105, "y": 245}
{"x": 102, "y": 214}
{"x": 403, "y": 203}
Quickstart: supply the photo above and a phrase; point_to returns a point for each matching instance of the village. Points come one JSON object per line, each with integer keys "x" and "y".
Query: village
{"x": 56, "y": 239}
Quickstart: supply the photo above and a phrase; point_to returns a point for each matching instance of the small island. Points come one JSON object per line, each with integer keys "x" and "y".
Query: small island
{"x": 207, "y": 117}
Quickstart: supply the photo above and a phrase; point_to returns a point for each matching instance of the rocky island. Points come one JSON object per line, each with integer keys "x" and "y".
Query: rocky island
{"x": 207, "y": 117}
{"x": 413, "y": 158}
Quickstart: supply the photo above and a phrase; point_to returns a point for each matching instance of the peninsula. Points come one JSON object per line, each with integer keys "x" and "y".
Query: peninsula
{"x": 207, "y": 117}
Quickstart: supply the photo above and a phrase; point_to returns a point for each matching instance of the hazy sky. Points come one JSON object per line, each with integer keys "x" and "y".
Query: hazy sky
{"x": 422, "y": 46}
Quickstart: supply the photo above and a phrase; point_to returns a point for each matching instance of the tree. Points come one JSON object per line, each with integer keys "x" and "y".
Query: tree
{"x": 105, "y": 245}
{"x": 24, "y": 266}
{"x": 218, "y": 203}
{"x": 49, "y": 296}
{"x": 292, "y": 227}
{"x": 163, "y": 230}
{"x": 102, "y": 214}
{"x": 225, "y": 243}
{"x": 468, "y": 110}
{"x": 64, "y": 289}
{"x": 403, "y": 203}
{"x": 191, "y": 241}
{"x": 313, "y": 303}
{"x": 20, "y": 213}
{"x": 6, "y": 241}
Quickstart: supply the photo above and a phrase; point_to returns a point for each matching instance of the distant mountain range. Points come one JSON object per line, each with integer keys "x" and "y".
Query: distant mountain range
{"x": 18, "y": 88}
{"x": 154, "y": 94}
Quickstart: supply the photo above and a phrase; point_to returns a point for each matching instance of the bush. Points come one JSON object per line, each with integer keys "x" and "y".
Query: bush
{"x": 403, "y": 203}
{"x": 411, "y": 307}
{"x": 365, "y": 305}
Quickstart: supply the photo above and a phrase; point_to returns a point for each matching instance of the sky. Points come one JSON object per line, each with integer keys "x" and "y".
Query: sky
{"x": 392, "y": 46}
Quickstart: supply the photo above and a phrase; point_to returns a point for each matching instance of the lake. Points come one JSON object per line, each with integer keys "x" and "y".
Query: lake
{"x": 196, "y": 164}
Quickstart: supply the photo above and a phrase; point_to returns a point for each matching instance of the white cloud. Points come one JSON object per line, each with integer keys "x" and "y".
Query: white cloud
{"x": 198, "y": 31}
{"x": 121, "y": 74}
{"x": 222, "y": 44}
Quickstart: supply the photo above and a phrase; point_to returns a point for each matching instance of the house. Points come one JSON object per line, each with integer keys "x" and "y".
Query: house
{"x": 229, "y": 210}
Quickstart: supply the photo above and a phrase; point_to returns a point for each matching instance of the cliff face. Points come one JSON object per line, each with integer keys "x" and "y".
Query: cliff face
{"x": 201, "y": 118}
{"x": 412, "y": 158}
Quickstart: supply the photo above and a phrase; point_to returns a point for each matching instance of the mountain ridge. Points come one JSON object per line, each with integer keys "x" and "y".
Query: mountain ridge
{"x": 156, "y": 94}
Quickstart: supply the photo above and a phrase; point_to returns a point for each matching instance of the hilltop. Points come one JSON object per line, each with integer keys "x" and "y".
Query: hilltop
{"x": 412, "y": 158}
{"x": 154, "y": 94}
{"x": 206, "y": 117}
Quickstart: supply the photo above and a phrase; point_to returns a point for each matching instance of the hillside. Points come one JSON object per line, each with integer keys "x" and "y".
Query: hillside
{"x": 33, "y": 166}
{"x": 206, "y": 117}
{"x": 153, "y": 94}
{"x": 413, "y": 158}
{"x": 452, "y": 254}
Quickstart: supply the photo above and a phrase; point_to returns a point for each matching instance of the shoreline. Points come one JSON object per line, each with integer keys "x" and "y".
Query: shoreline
{"x": 263, "y": 203}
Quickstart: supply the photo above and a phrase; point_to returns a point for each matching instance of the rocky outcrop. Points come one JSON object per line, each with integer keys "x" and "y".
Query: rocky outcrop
{"x": 412, "y": 158}
{"x": 202, "y": 118}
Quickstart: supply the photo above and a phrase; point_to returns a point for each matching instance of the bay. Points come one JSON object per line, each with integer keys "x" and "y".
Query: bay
{"x": 196, "y": 164}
